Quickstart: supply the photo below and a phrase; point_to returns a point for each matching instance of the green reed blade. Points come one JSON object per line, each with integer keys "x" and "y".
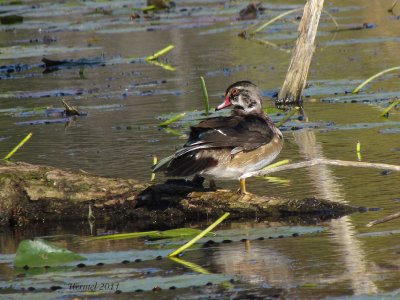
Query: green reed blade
{"x": 199, "y": 236}
{"x": 205, "y": 95}
{"x": 8, "y": 156}
{"x": 357, "y": 89}
{"x": 287, "y": 116}
{"x": 389, "y": 108}
{"x": 162, "y": 65}
{"x": 173, "y": 119}
{"x": 266, "y": 24}
{"x": 160, "y": 53}
{"x": 155, "y": 161}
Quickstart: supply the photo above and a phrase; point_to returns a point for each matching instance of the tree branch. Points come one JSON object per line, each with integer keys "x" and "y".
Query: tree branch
{"x": 383, "y": 220}
{"x": 322, "y": 161}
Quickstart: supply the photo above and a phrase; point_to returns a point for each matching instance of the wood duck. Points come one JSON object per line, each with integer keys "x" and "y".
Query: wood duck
{"x": 228, "y": 147}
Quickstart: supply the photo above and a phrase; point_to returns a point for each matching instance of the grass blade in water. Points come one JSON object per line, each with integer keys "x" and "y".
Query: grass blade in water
{"x": 205, "y": 94}
{"x": 190, "y": 265}
{"x": 385, "y": 113}
{"x": 121, "y": 236}
{"x": 287, "y": 116}
{"x": 275, "y": 19}
{"x": 162, "y": 65}
{"x": 173, "y": 119}
{"x": 160, "y": 53}
{"x": 8, "y": 156}
{"x": 277, "y": 164}
{"x": 173, "y": 233}
{"x": 199, "y": 236}
{"x": 153, "y": 175}
{"x": 357, "y": 89}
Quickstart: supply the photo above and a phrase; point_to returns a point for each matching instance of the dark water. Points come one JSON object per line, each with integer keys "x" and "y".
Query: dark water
{"x": 127, "y": 98}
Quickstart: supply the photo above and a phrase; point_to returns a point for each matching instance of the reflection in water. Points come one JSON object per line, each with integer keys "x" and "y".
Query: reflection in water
{"x": 342, "y": 229}
{"x": 261, "y": 264}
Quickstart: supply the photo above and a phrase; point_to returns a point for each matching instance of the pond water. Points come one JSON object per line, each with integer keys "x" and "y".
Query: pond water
{"x": 125, "y": 98}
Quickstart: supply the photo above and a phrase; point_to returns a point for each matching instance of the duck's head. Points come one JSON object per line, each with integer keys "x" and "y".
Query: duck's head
{"x": 244, "y": 96}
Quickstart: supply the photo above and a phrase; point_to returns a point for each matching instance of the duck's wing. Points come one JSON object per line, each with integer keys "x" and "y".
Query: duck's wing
{"x": 221, "y": 136}
{"x": 239, "y": 133}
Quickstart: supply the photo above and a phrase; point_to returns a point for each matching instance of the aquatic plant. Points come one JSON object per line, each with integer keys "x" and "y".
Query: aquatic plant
{"x": 160, "y": 53}
{"x": 358, "y": 88}
{"x": 205, "y": 95}
{"x": 12, "y": 152}
{"x": 287, "y": 116}
{"x": 385, "y": 113}
{"x": 199, "y": 236}
{"x": 173, "y": 119}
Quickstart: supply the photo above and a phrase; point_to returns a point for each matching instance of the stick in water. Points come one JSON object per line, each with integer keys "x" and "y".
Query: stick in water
{"x": 383, "y": 220}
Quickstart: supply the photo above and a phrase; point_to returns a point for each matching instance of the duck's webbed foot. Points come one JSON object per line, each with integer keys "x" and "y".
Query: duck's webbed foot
{"x": 198, "y": 180}
{"x": 242, "y": 190}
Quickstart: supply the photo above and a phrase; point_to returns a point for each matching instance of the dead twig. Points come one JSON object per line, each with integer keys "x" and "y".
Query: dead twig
{"x": 323, "y": 161}
{"x": 383, "y": 220}
{"x": 393, "y": 5}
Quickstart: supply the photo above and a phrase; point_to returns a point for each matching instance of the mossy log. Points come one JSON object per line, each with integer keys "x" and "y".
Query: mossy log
{"x": 31, "y": 193}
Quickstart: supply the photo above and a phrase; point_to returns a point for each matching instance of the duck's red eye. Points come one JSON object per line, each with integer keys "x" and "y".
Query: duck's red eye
{"x": 234, "y": 92}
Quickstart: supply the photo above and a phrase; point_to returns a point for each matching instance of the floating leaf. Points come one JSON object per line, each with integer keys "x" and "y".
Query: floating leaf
{"x": 39, "y": 253}
{"x": 173, "y": 233}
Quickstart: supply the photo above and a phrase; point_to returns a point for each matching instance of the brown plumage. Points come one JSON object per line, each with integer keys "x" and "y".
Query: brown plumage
{"x": 228, "y": 147}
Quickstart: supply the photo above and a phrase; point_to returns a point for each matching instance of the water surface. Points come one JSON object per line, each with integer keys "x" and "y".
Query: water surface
{"x": 127, "y": 98}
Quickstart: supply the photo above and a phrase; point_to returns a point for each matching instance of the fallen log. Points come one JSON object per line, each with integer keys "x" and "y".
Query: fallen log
{"x": 34, "y": 193}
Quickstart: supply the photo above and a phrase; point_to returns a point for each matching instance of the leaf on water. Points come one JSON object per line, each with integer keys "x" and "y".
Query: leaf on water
{"x": 155, "y": 235}
{"x": 122, "y": 236}
{"x": 179, "y": 232}
{"x": 265, "y": 232}
{"x": 39, "y": 253}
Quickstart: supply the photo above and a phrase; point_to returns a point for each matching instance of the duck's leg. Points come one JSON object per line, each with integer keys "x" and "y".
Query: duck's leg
{"x": 213, "y": 186}
{"x": 198, "y": 180}
{"x": 242, "y": 189}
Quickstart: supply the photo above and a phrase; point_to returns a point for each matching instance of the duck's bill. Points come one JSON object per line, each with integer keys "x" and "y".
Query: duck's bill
{"x": 226, "y": 103}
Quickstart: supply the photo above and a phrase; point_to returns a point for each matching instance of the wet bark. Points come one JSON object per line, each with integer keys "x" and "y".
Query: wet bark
{"x": 33, "y": 193}
{"x": 296, "y": 75}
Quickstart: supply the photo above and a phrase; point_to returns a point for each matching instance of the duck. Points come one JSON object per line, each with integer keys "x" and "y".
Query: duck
{"x": 230, "y": 146}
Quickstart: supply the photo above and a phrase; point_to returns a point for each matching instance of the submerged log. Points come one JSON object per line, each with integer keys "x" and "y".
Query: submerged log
{"x": 31, "y": 193}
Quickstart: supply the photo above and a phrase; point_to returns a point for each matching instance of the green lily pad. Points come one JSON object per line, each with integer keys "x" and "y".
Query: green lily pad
{"x": 39, "y": 253}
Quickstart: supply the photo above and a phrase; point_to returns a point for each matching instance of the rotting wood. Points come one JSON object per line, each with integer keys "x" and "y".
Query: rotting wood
{"x": 296, "y": 76}
{"x": 30, "y": 193}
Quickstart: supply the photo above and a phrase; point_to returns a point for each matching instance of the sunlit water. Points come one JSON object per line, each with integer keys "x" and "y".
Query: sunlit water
{"x": 126, "y": 101}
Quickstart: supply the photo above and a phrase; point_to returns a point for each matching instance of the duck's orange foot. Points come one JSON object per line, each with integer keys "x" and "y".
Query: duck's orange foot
{"x": 242, "y": 190}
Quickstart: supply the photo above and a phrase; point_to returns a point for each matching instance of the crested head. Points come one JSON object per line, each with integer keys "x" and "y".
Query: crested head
{"x": 244, "y": 96}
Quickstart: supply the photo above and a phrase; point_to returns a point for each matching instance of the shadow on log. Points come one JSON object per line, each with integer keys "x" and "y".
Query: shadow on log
{"x": 33, "y": 193}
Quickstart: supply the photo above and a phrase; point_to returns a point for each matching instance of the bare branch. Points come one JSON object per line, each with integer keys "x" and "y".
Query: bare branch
{"x": 323, "y": 161}
{"x": 383, "y": 220}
